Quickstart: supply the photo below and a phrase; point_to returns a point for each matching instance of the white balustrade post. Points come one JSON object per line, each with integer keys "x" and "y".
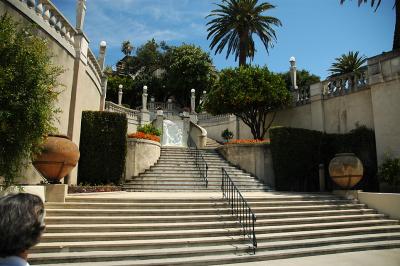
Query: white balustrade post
{"x": 144, "y": 99}
{"x": 169, "y": 104}
{"x": 80, "y": 14}
{"x": 120, "y": 94}
{"x": 293, "y": 77}
{"x": 152, "y": 103}
{"x": 193, "y": 101}
{"x": 102, "y": 54}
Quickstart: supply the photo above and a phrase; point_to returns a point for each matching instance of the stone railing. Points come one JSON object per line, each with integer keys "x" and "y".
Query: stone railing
{"x": 94, "y": 65}
{"x": 213, "y": 118}
{"x": 48, "y": 13}
{"x": 344, "y": 84}
{"x": 301, "y": 96}
{"x": 130, "y": 113}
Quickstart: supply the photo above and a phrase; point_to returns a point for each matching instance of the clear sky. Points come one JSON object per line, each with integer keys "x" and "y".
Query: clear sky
{"x": 314, "y": 31}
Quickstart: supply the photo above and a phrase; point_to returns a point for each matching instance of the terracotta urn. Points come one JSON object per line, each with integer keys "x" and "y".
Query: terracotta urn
{"x": 346, "y": 170}
{"x": 59, "y": 156}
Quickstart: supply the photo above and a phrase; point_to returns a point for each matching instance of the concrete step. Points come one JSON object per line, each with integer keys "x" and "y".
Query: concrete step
{"x": 139, "y": 205}
{"x": 212, "y": 255}
{"x": 165, "y": 219}
{"x": 266, "y": 236}
{"x": 209, "y": 241}
{"x": 134, "y": 212}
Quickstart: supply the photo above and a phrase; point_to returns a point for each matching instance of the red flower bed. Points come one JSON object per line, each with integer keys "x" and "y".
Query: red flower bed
{"x": 141, "y": 135}
{"x": 247, "y": 141}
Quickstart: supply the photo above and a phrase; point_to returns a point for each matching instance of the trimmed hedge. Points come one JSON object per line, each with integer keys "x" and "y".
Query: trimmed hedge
{"x": 102, "y": 148}
{"x": 296, "y": 154}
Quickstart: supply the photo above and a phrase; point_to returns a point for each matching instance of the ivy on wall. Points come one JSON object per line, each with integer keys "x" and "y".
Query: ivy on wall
{"x": 297, "y": 153}
{"x": 102, "y": 148}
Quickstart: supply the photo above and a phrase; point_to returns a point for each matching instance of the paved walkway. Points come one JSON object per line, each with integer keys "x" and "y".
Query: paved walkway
{"x": 387, "y": 257}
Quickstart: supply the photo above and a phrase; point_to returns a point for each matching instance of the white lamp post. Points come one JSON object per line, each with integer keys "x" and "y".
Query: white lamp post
{"x": 193, "y": 100}
{"x": 292, "y": 61}
{"x": 120, "y": 94}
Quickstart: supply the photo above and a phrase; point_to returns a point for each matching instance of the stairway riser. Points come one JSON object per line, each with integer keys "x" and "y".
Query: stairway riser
{"x": 157, "y": 246}
{"x": 203, "y": 253}
{"x": 146, "y": 220}
{"x": 185, "y": 206}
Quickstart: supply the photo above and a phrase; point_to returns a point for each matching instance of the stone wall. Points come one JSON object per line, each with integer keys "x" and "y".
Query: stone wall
{"x": 253, "y": 158}
{"x": 141, "y": 154}
{"x": 82, "y": 80}
{"x": 371, "y": 101}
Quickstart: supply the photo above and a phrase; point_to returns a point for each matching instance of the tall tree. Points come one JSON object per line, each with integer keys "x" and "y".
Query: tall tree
{"x": 251, "y": 93}
{"x": 376, "y": 4}
{"x": 235, "y": 22}
{"x": 126, "y": 48}
{"x": 347, "y": 63}
{"x": 188, "y": 67}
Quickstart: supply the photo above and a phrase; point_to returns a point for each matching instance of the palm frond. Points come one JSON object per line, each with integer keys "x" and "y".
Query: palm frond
{"x": 234, "y": 23}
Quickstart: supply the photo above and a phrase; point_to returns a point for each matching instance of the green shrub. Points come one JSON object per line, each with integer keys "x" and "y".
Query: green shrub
{"x": 149, "y": 129}
{"x": 28, "y": 94}
{"x": 227, "y": 134}
{"x": 102, "y": 147}
{"x": 389, "y": 171}
{"x": 296, "y": 157}
{"x": 296, "y": 154}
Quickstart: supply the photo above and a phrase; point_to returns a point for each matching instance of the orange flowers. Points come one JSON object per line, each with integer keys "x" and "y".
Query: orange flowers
{"x": 141, "y": 135}
{"x": 248, "y": 141}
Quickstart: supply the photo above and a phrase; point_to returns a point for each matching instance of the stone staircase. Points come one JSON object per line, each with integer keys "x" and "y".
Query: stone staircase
{"x": 198, "y": 229}
{"x": 176, "y": 170}
{"x": 212, "y": 144}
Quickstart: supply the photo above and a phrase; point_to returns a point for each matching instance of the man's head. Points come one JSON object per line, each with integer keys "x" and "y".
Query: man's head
{"x": 21, "y": 223}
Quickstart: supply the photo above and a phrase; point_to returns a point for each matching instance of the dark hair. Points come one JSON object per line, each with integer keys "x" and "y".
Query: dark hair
{"x": 21, "y": 223}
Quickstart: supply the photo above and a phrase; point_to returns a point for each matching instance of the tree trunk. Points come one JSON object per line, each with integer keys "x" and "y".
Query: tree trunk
{"x": 396, "y": 39}
{"x": 242, "y": 49}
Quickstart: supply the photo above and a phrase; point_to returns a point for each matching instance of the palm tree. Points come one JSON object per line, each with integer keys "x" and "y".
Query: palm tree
{"x": 126, "y": 48}
{"x": 376, "y": 4}
{"x": 235, "y": 22}
{"x": 347, "y": 63}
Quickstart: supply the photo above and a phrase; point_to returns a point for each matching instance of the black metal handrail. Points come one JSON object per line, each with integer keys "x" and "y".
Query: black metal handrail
{"x": 201, "y": 164}
{"x": 240, "y": 208}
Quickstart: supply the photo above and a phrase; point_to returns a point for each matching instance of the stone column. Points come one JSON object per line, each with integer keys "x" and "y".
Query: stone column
{"x": 80, "y": 14}
{"x": 317, "y": 107}
{"x": 81, "y": 45}
{"x": 193, "y": 101}
{"x": 102, "y": 56}
{"x": 144, "y": 99}
{"x": 293, "y": 74}
{"x": 158, "y": 123}
{"x": 169, "y": 104}
{"x": 120, "y": 93}
{"x": 152, "y": 104}
{"x": 144, "y": 115}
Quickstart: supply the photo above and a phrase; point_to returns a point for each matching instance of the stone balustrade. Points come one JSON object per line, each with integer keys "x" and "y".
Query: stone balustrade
{"x": 213, "y": 118}
{"x": 49, "y": 14}
{"x": 130, "y": 113}
{"x": 344, "y": 84}
{"x": 94, "y": 65}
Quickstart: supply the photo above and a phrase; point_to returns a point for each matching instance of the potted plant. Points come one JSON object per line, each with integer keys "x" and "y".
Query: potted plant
{"x": 346, "y": 170}
{"x": 58, "y": 156}
{"x": 227, "y": 135}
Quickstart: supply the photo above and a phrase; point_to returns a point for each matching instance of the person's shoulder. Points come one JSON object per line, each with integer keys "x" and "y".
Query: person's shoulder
{"x": 13, "y": 261}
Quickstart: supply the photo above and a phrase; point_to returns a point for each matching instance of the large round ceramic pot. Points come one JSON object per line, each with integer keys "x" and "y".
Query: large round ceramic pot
{"x": 59, "y": 156}
{"x": 346, "y": 170}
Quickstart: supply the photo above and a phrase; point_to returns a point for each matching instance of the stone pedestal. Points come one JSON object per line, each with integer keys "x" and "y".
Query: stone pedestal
{"x": 56, "y": 192}
{"x": 144, "y": 118}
